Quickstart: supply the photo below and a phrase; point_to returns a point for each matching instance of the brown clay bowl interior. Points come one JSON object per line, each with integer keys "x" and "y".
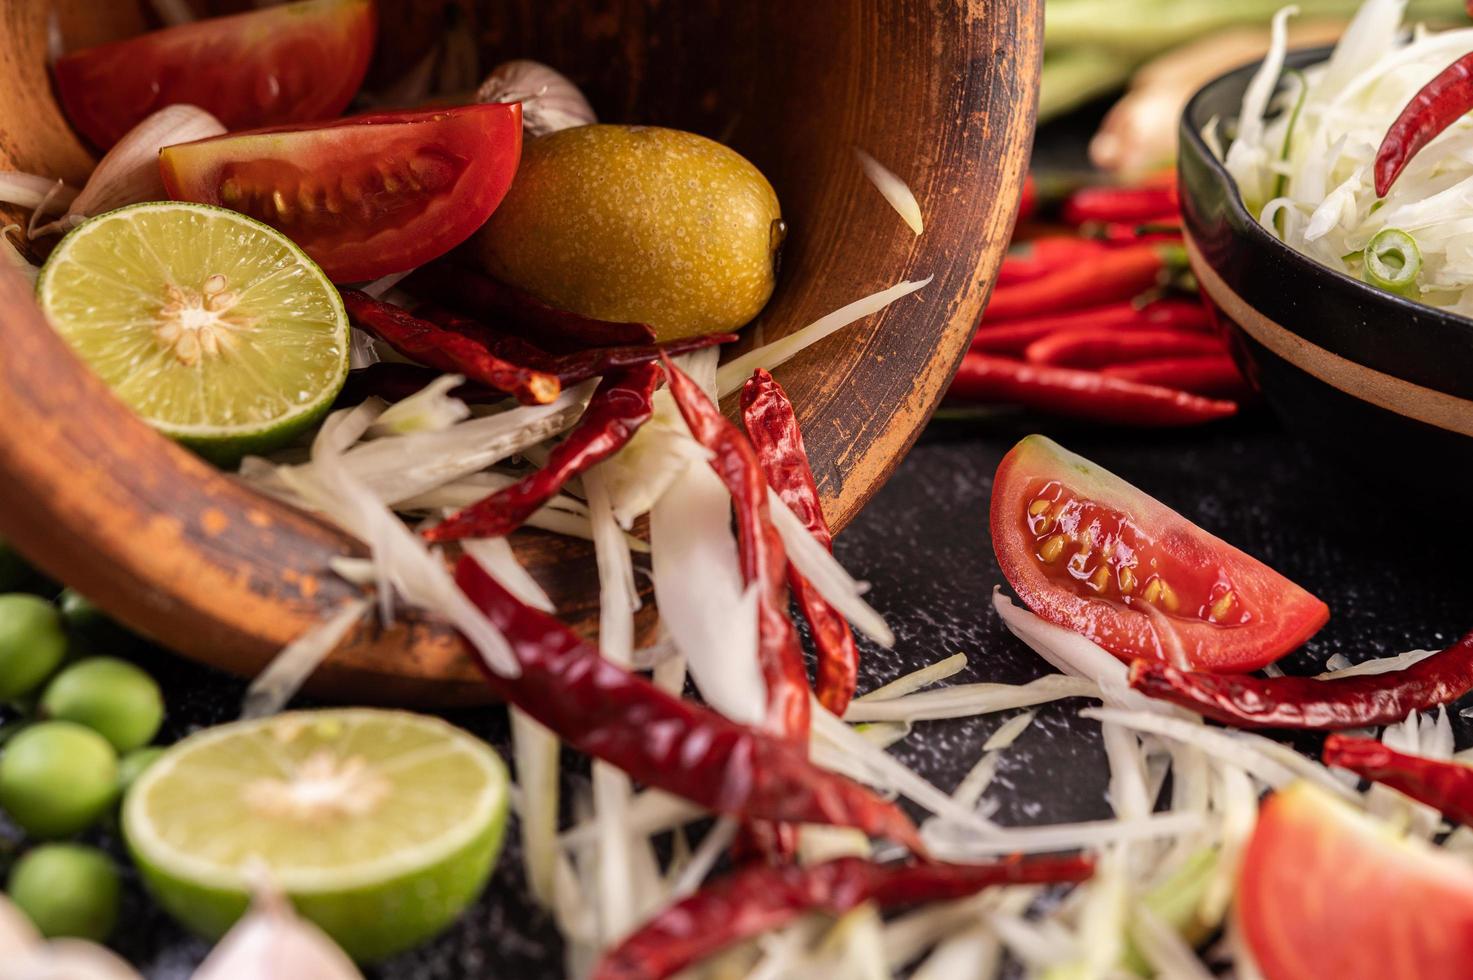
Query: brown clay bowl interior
{"x": 942, "y": 92}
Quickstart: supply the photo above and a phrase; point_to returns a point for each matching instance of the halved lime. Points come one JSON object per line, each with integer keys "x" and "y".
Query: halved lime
{"x": 213, "y": 327}
{"x": 381, "y": 825}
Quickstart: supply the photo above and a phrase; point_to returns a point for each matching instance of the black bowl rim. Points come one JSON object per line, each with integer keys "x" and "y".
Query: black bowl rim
{"x": 1191, "y": 132}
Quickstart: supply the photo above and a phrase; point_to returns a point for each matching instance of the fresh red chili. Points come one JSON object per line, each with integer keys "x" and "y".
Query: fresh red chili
{"x": 1097, "y": 347}
{"x": 1133, "y": 205}
{"x": 1089, "y": 395}
{"x": 662, "y": 740}
{"x": 772, "y": 427}
{"x": 1448, "y": 786}
{"x": 395, "y": 381}
{"x": 1314, "y": 702}
{"x": 1215, "y": 375}
{"x": 446, "y": 350}
{"x": 759, "y": 899}
{"x": 574, "y": 366}
{"x": 622, "y": 403}
{"x": 1014, "y": 336}
{"x": 1115, "y": 274}
{"x": 763, "y": 559}
{"x": 1440, "y": 103}
{"x": 1127, "y": 233}
{"x": 1040, "y": 256}
{"x": 514, "y": 311}
{"x": 1028, "y": 200}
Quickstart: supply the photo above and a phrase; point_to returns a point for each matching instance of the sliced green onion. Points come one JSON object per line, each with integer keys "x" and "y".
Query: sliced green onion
{"x": 1393, "y": 262}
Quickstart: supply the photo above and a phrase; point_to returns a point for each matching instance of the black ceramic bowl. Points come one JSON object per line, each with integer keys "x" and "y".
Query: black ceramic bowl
{"x": 1379, "y": 380}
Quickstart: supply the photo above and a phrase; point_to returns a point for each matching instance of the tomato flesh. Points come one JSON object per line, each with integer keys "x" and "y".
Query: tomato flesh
{"x": 292, "y": 63}
{"x": 1088, "y": 551}
{"x": 1326, "y": 891}
{"x": 365, "y": 196}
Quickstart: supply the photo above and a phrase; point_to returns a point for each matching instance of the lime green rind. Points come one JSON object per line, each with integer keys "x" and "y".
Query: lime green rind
{"x": 193, "y": 849}
{"x": 103, "y": 271}
{"x": 369, "y": 923}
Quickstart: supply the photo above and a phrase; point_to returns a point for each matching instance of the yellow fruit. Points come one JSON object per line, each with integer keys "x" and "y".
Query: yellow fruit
{"x": 637, "y": 223}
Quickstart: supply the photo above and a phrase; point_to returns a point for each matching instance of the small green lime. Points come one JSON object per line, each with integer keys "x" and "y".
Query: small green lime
{"x": 110, "y": 696}
{"x": 57, "y": 778}
{"x": 32, "y": 643}
{"x": 382, "y": 826}
{"x": 214, "y": 328}
{"x": 133, "y": 765}
{"x": 67, "y": 890}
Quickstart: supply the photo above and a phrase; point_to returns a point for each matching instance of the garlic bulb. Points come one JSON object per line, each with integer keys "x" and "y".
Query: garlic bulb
{"x": 68, "y": 959}
{"x": 549, "y": 101}
{"x": 17, "y": 935}
{"x": 129, "y": 173}
{"x": 271, "y": 943}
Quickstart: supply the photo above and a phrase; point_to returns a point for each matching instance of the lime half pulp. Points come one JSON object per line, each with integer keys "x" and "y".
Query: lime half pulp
{"x": 214, "y": 328}
{"x": 380, "y": 825}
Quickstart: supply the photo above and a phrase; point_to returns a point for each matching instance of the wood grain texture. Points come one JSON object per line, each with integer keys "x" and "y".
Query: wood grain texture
{"x": 941, "y": 91}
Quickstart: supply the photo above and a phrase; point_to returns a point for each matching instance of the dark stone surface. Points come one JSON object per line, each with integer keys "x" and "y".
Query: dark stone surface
{"x": 923, "y": 543}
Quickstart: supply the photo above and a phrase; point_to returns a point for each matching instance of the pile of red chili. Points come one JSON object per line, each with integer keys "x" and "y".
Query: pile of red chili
{"x": 1088, "y": 321}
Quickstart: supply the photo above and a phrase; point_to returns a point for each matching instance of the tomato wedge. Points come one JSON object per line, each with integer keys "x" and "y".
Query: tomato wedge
{"x": 1327, "y": 891}
{"x": 364, "y": 196}
{"x": 1086, "y": 550}
{"x": 293, "y": 63}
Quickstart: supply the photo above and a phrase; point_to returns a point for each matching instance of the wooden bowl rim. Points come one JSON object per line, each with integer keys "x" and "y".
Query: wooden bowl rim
{"x": 423, "y": 659}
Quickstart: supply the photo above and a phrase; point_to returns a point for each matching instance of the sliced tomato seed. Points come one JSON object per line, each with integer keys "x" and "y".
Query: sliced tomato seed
{"x": 1054, "y": 517}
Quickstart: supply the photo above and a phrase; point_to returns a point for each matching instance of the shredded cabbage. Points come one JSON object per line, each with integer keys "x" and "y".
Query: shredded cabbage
{"x": 1307, "y": 173}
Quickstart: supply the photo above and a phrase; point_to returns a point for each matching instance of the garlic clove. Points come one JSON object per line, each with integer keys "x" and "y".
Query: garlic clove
{"x": 272, "y": 943}
{"x": 68, "y": 959}
{"x": 17, "y": 934}
{"x": 129, "y": 173}
{"x": 550, "y": 102}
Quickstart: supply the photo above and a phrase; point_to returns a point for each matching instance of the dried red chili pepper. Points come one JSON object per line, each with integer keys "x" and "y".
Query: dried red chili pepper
{"x": 1448, "y": 786}
{"x": 1440, "y": 103}
{"x": 573, "y": 367}
{"x": 661, "y": 740}
{"x": 772, "y": 427}
{"x": 1115, "y": 274}
{"x": 520, "y": 313}
{"x": 1313, "y": 702}
{"x": 1079, "y": 394}
{"x": 1014, "y": 336}
{"x": 763, "y": 558}
{"x": 622, "y": 403}
{"x": 759, "y": 899}
{"x": 1040, "y": 256}
{"x": 1133, "y": 205}
{"x": 1097, "y": 347}
{"x": 447, "y": 350}
{"x": 1215, "y": 376}
{"x": 395, "y": 381}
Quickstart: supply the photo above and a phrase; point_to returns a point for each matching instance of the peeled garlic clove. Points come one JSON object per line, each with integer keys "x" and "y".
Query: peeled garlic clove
{"x": 129, "y": 173}
{"x": 271, "y": 943}
{"x": 68, "y": 959}
{"x": 549, "y": 101}
{"x": 17, "y": 934}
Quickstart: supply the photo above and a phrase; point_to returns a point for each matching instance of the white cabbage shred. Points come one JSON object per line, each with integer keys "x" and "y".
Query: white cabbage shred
{"x": 1308, "y": 174}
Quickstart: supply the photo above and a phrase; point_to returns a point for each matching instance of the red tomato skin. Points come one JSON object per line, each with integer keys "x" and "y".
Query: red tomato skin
{"x": 1282, "y": 616}
{"x": 477, "y": 147}
{"x": 1325, "y": 891}
{"x": 292, "y": 63}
